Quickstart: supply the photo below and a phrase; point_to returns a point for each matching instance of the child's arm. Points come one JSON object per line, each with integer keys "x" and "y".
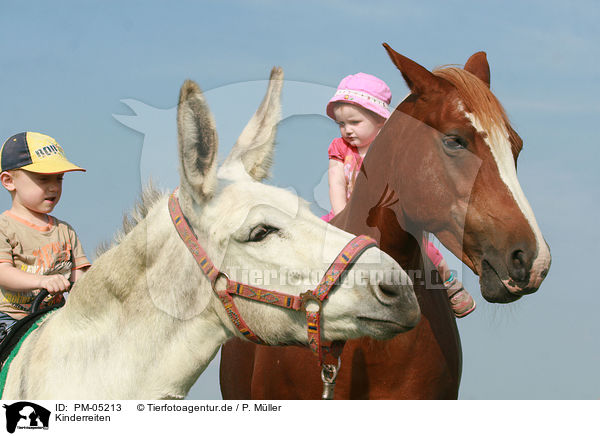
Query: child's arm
{"x": 15, "y": 280}
{"x": 78, "y": 273}
{"x": 81, "y": 262}
{"x": 337, "y": 186}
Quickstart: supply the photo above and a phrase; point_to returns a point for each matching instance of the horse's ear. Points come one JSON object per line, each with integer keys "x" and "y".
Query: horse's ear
{"x": 419, "y": 79}
{"x": 254, "y": 147}
{"x": 197, "y": 137}
{"x": 478, "y": 66}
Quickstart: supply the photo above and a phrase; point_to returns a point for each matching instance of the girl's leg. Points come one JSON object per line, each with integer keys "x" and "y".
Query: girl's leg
{"x": 461, "y": 301}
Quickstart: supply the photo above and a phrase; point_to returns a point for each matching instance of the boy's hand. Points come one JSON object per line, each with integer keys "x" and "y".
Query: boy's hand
{"x": 54, "y": 284}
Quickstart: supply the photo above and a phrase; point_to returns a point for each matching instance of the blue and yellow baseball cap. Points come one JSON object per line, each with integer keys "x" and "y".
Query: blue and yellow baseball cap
{"x": 34, "y": 152}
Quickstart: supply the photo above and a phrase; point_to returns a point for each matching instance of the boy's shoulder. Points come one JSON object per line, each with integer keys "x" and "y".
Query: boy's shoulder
{"x": 7, "y": 222}
{"x": 58, "y": 221}
{"x": 62, "y": 224}
{"x": 4, "y": 219}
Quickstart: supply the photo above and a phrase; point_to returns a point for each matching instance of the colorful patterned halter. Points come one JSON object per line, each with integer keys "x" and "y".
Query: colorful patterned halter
{"x": 342, "y": 262}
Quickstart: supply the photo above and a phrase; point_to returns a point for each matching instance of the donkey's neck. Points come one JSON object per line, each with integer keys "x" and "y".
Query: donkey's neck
{"x": 155, "y": 327}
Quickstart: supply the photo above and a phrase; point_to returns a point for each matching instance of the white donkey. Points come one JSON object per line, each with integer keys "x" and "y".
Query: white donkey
{"x": 144, "y": 321}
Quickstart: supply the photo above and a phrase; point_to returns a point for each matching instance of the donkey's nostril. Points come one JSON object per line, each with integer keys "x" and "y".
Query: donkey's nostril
{"x": 387, "y": 293}
{"x": 389, "y": 290}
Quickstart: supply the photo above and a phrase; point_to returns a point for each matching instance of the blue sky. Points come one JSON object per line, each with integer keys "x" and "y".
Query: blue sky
{"x": 66, "y": 67}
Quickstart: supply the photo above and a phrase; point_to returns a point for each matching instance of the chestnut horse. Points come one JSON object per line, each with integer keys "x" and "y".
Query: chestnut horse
{"x": 445, "y": 163}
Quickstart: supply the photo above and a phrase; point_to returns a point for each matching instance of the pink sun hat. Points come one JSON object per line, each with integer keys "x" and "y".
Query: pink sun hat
{"x": 363, "y": 90}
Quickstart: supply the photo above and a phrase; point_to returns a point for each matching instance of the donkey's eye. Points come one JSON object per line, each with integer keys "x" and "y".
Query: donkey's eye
{"x": 260, "y": 232}
{"x": 453, "y": 143}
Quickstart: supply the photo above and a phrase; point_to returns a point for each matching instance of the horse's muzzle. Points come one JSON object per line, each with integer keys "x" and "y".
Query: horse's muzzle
{"x": 492, "y": 286}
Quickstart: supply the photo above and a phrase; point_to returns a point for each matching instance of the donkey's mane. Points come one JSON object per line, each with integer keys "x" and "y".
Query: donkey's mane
{"x": 149, "y": 196}
{"x": 479, "y": 100}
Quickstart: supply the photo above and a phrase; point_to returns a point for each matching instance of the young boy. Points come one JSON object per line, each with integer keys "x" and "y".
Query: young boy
{"x": 37, "y": 251}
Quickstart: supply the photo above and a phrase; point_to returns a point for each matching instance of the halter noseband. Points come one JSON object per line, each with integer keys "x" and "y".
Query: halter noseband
{"x": 313, "y": 317}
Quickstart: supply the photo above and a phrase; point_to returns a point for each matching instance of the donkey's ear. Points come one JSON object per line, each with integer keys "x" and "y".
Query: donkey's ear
{"x": 478, "y": 65}
{"x": 254, "y": 147}
{"x": 418, "y": 78}
{"x": 197, "y": 138}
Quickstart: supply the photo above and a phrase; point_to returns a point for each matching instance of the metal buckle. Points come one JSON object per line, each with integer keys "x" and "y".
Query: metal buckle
{"x": 307, "y": 297}
{"x": 219, "y": 275}
{"x": 329, "y": 373}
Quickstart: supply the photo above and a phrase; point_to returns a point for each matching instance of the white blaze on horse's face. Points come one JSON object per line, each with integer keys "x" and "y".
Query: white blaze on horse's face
{"x": 497, "y": 139}
{"x": 492, "y": 227}
{"x": 267, "y": 237}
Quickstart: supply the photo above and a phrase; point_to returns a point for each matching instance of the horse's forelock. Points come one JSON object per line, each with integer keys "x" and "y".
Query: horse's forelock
{"x": 480, "y": 101}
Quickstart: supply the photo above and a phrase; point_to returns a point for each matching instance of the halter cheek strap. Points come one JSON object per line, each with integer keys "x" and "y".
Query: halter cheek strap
{"x": 302, "y": 302}
{"x": 332, "y": 277}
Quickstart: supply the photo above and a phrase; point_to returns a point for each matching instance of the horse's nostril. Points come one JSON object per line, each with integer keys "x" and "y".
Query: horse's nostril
{"x": 518, "y": 258}
{"x": 519, "y": 269}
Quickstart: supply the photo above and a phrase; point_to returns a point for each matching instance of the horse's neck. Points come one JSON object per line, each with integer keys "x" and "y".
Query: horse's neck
{"x": 375, "y": 209}
{"x": 142, "y": 298}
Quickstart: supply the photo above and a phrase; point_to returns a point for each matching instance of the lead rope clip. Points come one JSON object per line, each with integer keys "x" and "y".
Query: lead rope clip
{"x": 329, "y": 373}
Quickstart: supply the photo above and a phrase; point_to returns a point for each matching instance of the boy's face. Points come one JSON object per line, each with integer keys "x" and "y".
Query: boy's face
{"x": 38, "y": 193}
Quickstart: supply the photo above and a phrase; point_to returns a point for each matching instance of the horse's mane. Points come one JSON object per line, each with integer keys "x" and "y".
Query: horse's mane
{"x": 149, "y": 196}
{"x": 479, "y": 100}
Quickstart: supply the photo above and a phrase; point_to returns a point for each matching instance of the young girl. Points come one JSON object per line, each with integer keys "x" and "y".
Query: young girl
{"x": 360, "y": 107}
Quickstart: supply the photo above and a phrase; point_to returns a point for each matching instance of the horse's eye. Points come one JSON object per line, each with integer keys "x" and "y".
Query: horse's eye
{"x": 260, "y": 232}
{"x": 454, "y": 143}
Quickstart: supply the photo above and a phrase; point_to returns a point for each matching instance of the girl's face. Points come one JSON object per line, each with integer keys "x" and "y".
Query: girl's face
{"x": 358, "y": 126}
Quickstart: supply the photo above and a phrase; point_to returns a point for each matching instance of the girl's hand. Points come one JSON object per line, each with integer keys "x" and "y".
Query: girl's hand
{"x": 54, "y": 284}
